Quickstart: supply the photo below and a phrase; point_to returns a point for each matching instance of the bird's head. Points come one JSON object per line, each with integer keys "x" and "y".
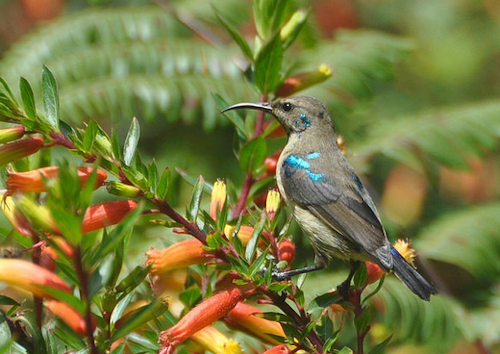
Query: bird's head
{"x": 296, "y": 114}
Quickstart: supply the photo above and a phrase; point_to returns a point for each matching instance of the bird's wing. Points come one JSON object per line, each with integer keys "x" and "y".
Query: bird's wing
{"x": 343, "y": 205}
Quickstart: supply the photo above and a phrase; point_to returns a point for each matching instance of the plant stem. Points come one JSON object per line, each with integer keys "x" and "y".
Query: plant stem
{"x": 84, "y": 295}
{"x": 245, "y": 190}
{"x": 301, "y": 320}
{"x": 190, "y": 227}
{"x": 358, "y": 311}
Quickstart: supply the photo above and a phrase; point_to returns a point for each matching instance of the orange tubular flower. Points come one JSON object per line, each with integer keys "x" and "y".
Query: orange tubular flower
{"x": 33, "y": 181}
{"x": 243, "y": 317}
{"x": 103, "y": 215}
{"x": 28, "y": 276}
{"x": 279, "y": 349}
{"x": 201, "y": 316}
{"x": 214, "y": 341}
{"x": 68, "y": 315}
{"x": 19, "y": 149}
{"x": 179, "y": 255}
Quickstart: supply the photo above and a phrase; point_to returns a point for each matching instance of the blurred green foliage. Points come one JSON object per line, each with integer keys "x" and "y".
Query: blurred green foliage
{"x": 415, "y": 83}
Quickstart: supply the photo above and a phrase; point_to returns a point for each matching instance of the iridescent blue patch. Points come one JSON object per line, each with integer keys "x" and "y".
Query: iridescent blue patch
{"x": 305, "y": 120}
{"x": 313, "y": 155}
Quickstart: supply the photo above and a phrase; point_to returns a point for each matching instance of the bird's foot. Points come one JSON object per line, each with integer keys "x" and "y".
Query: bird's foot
{"x": 276, "y": 273}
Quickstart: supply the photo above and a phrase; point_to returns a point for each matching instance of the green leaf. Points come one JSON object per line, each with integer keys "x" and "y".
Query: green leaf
{"x": 28, "y": 99}
{"x": 190, "y": 296}
{"x": 194, "y": 205}
{"x": 162, "y": 187}
{"x": 235, "y": 35}
{"x": 363, "y": 321}
{"x": 69, "y": 225}
{"x": 252, "y": 154}
{"x": 90, "y": 134}
{"x": 5, "y": 335}
{"x": 115, "y": 145}
{"x": 322, "y": 301}
{"x": 50, "y": 98}
{"x": 254, "y": 239}
{"x": 268, "y": 65}
{"x": 141, "y": 316}
{"x": 131, "y": 141}
{"x": 345, "y": 350}
{"x": 133, "y": 279}
{"x": 379, "y": 348}
{"x": 120, "y": 307}
{"x": 63, "y": 296}
{"x": 360, "y": 276}
{"x": 269, "y": 16}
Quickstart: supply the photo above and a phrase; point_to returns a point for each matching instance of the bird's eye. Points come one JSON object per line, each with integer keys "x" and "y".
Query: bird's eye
{"x": 287, "y": 107}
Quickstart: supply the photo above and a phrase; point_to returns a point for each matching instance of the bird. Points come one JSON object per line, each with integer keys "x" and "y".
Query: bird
{"x": 328, "y": 199}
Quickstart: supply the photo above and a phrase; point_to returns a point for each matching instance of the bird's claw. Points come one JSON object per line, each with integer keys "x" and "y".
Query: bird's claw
{"x": 276, "y": 274}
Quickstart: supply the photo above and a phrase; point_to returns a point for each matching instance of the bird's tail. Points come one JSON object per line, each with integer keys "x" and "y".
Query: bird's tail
{"x": 411, "y": 278}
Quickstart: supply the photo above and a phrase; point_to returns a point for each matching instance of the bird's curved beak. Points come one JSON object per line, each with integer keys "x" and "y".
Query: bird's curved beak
{"x": 264, "y": 106}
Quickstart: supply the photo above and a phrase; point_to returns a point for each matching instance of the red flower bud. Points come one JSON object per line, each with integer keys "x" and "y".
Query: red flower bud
{"x": 279, "y": 349}
{"x": 33, "y": 181}
{"x": 19, "y": 149}
{"x": 287, "y": 250}
{"x": 68, "y": 315}
{"x": 103, "y": 215}
{"x": 201, "y": 316}
{"x": 374, "y": 272}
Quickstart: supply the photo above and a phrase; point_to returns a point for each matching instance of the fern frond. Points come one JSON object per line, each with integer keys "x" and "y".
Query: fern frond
{"x": 142, "y": 61}
{"x": 434, "y": 323}
{"x": 446, "y": 136}
{"x": 88, "y": 28}
{"x": 186, "y": 96}
{"x": 356, "y": 58}
{"x": 469, "y": 239}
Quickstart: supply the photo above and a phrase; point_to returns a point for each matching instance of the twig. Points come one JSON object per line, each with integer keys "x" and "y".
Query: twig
{"x": 84, "y": 295}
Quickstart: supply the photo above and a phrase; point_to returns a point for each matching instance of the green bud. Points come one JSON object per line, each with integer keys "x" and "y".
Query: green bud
{"x": 39, "y": 215}
{"x": 123, "y": 190}
{"x": 10, "y": 134}
{"x": 292, "y": 28}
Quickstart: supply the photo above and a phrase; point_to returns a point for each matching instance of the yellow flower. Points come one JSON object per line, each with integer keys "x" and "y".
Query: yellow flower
{"x": 219, "y": 194}
{"x": 246, "y": 318}
{"x": 244, "y": 233}
{"x": 214, "y": 341}
{"x": 272, "y": 203}
{"x": 408, "y": 253}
